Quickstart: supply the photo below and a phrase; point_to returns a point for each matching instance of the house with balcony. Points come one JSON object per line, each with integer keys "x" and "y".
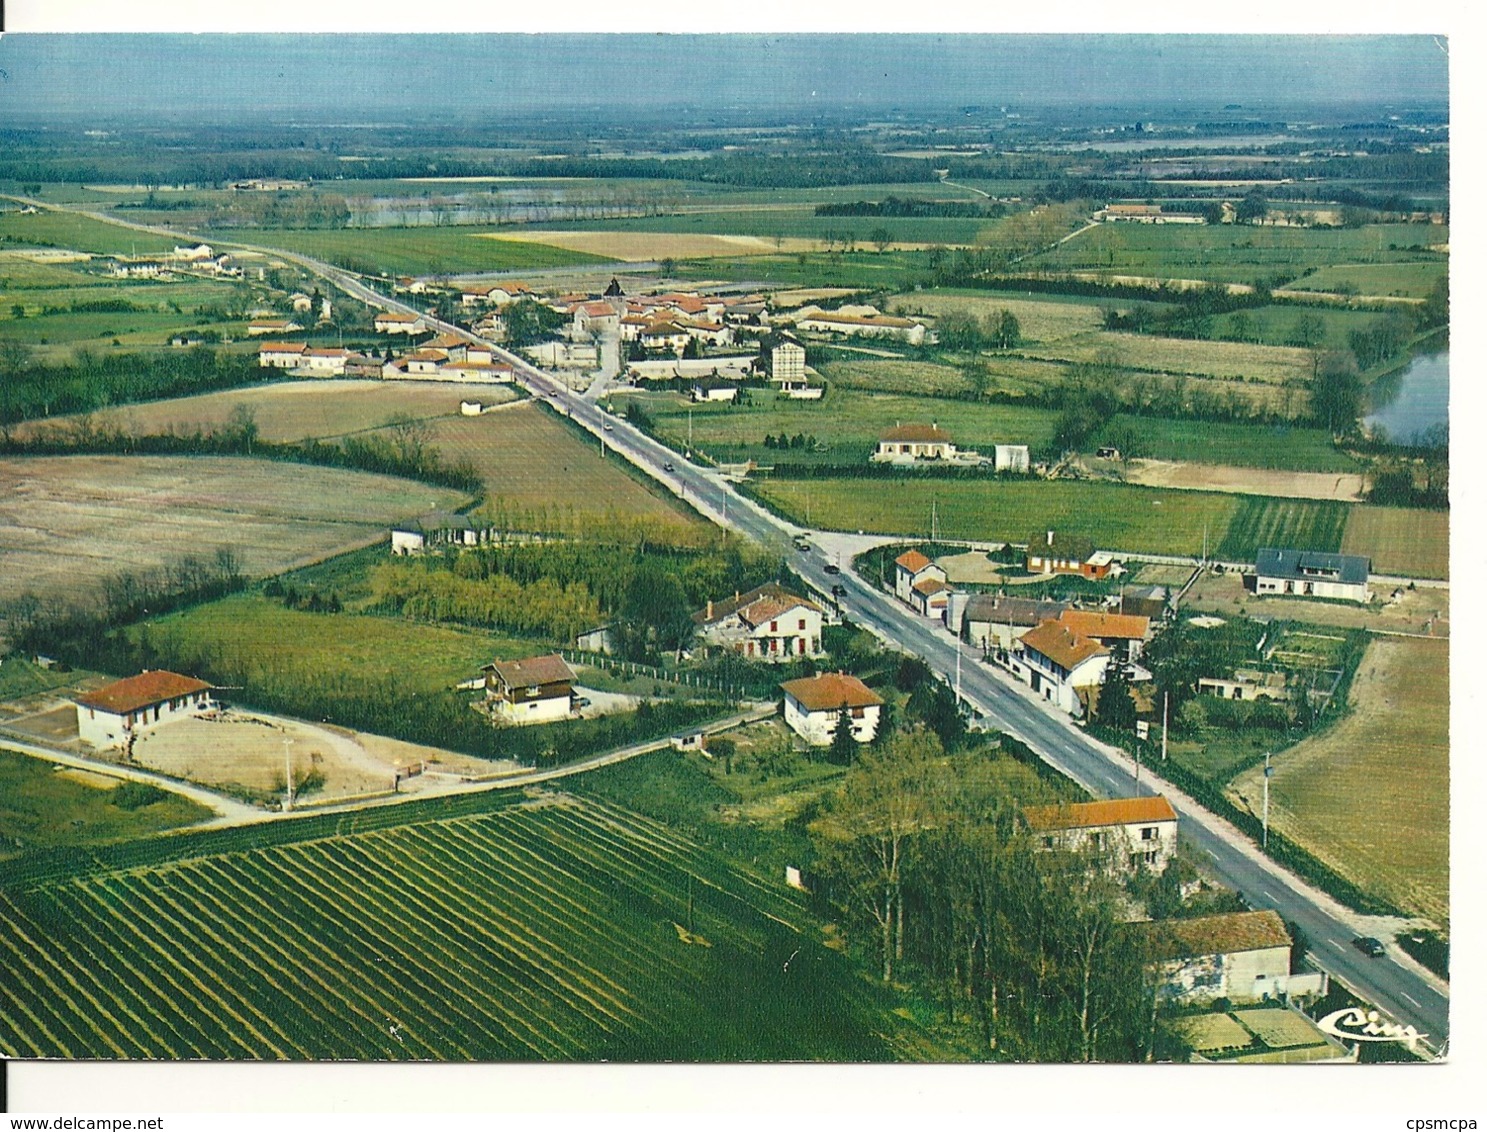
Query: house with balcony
{"x": 1057, "y": 662}
{"x": 768, "y": 623}
{"x": 538, "y": 689}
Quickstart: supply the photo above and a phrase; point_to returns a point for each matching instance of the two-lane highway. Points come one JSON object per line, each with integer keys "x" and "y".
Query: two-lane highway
{"x": 1394, "y": 984}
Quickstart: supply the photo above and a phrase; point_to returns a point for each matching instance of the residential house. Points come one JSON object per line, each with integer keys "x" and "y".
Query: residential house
{"x": 281, "y": 355}
{"x": 1123, "y": 633}
{"x": 1052, "y": 553}
{"x": 1241, "y": 956}
{"x": 1056, "y": 662}
{"x": 261, "y": 326}
{"x": 707, "y": 330}
{"x": 1132, "y": 833}
{"x": 438, "y": 530}
{"x": 814, "y": 706}
{"x": 599, "y": 639}
{"x": 538, "y": 689}
{"x": 664, "y": 336}
{"x": 325, "y": 361}
{"x": 910, "y": 442}
{"x": 1151, "y": 602}
{"x": 396, "y": 322}
{"x": 768, "y": 623}
{"x": 1246, "y": 686}
{"x": 1310, "y": 573}
{"x": 1140, "y": 213}
{"x": 138, "y": 269}
{"x": 1012, "y": 458}
{"x": 192, "y": 254}
{"x": 117, "y": 714}
{"x": 301, "y": 303}
{"x": 994, "y": 622}
{"x": 931, "y": 598}
{"x": 714, "y": 389}
{"x": 909, "y": 569}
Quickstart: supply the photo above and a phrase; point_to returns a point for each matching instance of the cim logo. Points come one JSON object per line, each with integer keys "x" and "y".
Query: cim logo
{"x": 1368, "y": 1026}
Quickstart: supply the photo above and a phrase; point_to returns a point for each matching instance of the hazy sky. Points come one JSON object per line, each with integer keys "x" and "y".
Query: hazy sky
{"x": 375, "y": 77}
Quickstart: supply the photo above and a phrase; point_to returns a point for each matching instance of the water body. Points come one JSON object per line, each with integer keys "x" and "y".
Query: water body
{"x": 1414, "y": 399}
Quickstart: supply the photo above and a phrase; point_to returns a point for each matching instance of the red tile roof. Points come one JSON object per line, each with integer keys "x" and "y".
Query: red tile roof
{"x": 830, "y": 691}
{"x": 912, "y": 561}
{"x": 1061, "y": 645}
{"x": 1092, "y": 815}
{"x": 931, "y": 586}
{"x": 1117, "y": 626}
{"x": 281, "y": 347}
{"x": 142, "y": 691}
{"x": 395, "y": 316}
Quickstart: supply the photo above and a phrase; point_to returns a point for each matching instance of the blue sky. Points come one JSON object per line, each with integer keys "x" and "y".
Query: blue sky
{"x": 380, "y": 77}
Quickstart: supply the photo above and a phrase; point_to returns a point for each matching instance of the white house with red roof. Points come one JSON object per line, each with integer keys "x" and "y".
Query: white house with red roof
{"x": 814, "y": 705}
{"x": 595, "y": 316}
{"x": 396, "y": 322}
{"x": 118, "y": 713}
{"x": 768, "y": 623}
{"x": 1135, "y": 833}
{"x": 281, "y": 355}
{"x": 1056, "y": 662}
{"x": 931, "y": 597}
{"x": 911, "y": 568}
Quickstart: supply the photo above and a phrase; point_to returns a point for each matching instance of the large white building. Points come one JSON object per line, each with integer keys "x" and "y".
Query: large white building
{"x": 1309, "y": 573}
{"x": 911, "y": 569}
{"x": 1057, "y": 662}
{"x": 814, "y": 705}
{"x": 118, "y": 713}
{"x": 768, "y": 623}
{"x": 1131, "y": 833}
{"x": 1241, "y": 956}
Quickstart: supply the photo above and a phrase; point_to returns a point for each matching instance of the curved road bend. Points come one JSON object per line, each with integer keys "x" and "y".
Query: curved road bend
{"x": 1395, "y": 984}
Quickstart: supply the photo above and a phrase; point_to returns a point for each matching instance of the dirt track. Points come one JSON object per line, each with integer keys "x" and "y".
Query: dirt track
{"x": 1345, "y": 486}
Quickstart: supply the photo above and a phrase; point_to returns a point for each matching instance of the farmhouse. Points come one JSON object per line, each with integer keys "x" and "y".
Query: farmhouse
{"x": 200, "y": 251}
{"x": 536, "y": 690}
{"x": 1012, "y": 458}
{"x": 664, "y": 335}
{"x": 768, "y": 623}
{"x": 1132, "y": 833}
{"x": 327, "y": 361}
{"x": 869, "y": 325}
{"x": 814, "y": 705}
{"x": 1241, "y": 956}
{"x": 281, "y": 355}
{"x": 396, "y": 322}
{"x": 118, "y": 713}
{"x": 1141, "y": 213}
{"x": 915, "y": 442}
{"x": 994, "y": 622}
{"x": 1052, "y": 553}
{"x": 359, "y": 365}
{"x": 1309, "y": 573}
{"x": 1123, "y": 632}
{"x": 909, "y": 569}
{"x": 261, "y": 326}
{"x": 1056, "y": 662}
{"x": 301, "y": 303}
{"x": 438, "y": 530}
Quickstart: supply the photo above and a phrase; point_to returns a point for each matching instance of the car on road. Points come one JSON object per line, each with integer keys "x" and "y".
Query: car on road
{"x": 608, "y": 427}
{"x": 803, "y": 547}
{"x": 838, "y": 589}
{"x": 832, "y": 568}
{"x": 1369, "y": 946}
{"x": 669, "y": 466}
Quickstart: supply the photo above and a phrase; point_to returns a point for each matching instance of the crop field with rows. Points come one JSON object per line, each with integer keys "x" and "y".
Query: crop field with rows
{"x": 548, "y": 929}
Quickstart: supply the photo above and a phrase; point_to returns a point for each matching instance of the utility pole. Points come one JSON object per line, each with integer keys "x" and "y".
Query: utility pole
{"x": 288, "y": 778}
{"x": 1265, "y": 807}
{"x": 1138, "y": 768}
{"x": 1164, "y": 726}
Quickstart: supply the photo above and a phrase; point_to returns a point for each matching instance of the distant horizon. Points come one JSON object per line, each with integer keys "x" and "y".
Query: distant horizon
{"x": 357, "y": 80}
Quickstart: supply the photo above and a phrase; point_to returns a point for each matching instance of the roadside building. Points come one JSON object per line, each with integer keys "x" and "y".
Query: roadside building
{"x": 1124, "y": 634}
{"x": 281, "y": 355}
{"x": 909, "y": 569}
{"x": 1310, "y": 573}
{"x": 664, "y": 336}
{"x": 538, "y": 689}
{"x": 995, "y": 622}
{"x": 1056, "y": 663}
{"x": 1130, "y": 833}
{"x": 910, "y": 442}
{"x": 1241, "y": 956}
{"x": 396, "y": 322}
{"x": 931, "y": 598}
{"x": 714, "y": 389}
{"x": 595, "y": 317}
{"x": 815, "y": 704}
{"x": 119, "y": 713}
{"x": 768, "y": 623}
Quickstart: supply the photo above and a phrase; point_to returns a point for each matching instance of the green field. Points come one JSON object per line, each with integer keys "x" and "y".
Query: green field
{"x": 1300, "y": 524}
{"x": 1233, "y": 254}
{"x": 1284, "y": 447}
{"x": 1412, "y": 280}
{"x": 1115, "y": 516}
{"x": 42, "y": 806}
{"x": 420, "y": 251}
{"x": 870, "y": 271}
{"x": 78, "y": 233}
{"x": 555, "y": 931}
{"x": 796, "y": 224}
{"x": 261, "y": 640}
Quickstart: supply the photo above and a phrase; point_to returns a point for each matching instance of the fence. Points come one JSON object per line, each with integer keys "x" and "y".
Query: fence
{"x": 728, "y": 689}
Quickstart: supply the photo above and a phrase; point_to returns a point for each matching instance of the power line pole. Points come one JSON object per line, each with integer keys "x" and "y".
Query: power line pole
{"x": 1164, "y": 726}
{"x": 1265, "y": 807}
{"x": 288, "y": 778}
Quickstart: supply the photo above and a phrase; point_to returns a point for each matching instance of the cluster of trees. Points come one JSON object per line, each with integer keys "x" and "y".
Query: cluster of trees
{"x": 529, "y": 322}
{"x": 308, "y": 601}
{"x": 909, "y": 207}
{"x": 30, "y": 388}
{"x": 961, "y": 330}
{"x": 77, "y": 625}
{"x": 424, "y": 592}
{"x": 798, "y": 441}
{"x": 925, "y": 857}
{"x": 281, "y": 210}
{"x": 1422, "y": 480}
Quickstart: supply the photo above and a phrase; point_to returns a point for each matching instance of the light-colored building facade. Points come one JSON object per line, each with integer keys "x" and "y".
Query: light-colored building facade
{"x": 396, "y": 322}
{"x": 536, "y": 690}
{"x": 1056, "y": 662}
{"x": 1012, "y": 458}
{"x": 768, "y": 623}
{"x": 815, "y": 704}
{"x": 1128, "y": 833}
{"x": 439, "y": 530}
{"x": 117, "y": 714}
{"x": 1308, "y": 573}
{"x": 787, "y": 362}
{"x": 909, "y": 569}
{"x": 1241, "y": 956}
{"x": 281, "y": 355}
{"x": 994, "y": 622}
{"x": 910, "y": 442}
